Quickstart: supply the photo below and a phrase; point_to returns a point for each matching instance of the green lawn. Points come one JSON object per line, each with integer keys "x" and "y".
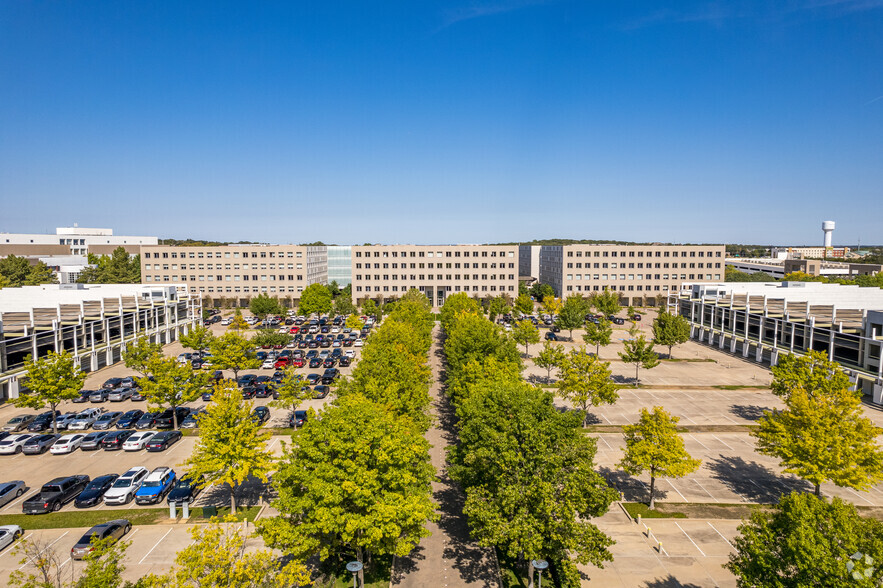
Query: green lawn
{"x": 85, "y": 518}
{"x": 639, "y": 508}
{"x": 376, "y": 576}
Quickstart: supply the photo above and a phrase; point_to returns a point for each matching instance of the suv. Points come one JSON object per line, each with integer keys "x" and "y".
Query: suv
{"x": 53, "y": 495}
{"x": 85, "y": 419}
{"x": 155, "y": 486}
{"x": 123, "y": 490}
{"x": 166, "y": 419}
{"x": 120, "y": 394}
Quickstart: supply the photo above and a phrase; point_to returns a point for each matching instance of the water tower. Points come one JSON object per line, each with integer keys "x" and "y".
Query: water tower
{"x": 828, "y": 228}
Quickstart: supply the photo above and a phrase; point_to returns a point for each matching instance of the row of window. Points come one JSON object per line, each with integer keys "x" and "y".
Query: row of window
{"x": 435, "y": 276}
{"x": 434, "y": 266}
{"x": 227, "y": 278}
{"x": 639, "y": 288}
{"x": 245, "y": 289}
{"x": 436, "y": 254}
{"x": 217, "y": 254}
{"x": 422, "y": 289}
{"x": 226, "y": 266}
{"x": 665, "y": 265}
{"x": 641, "y": 276}
{"x": 641, "y": 254}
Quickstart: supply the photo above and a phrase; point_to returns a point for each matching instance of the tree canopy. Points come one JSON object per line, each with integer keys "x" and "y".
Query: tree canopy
{"x": 670, "y": 330}
{"x": 264, "y": 305}
{"x": 315, "y": 299}
{"x": 586, "y": 381}
{"x": 813, "y": 373}
{"x": 525, "y": 333}
{"x": 51, "y": 380}
{"x": 639, "y": 352}
{"x": 171, "y": 384}
{"x": 117, "y": 268}
{"x": 598, "y": 335}
{"x": 232, "y": 351}
{"x": 572, "y": 314}
{"x": 17, "y": 271}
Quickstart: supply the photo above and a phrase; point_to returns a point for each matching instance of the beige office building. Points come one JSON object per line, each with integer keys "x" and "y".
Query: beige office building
{"x": 638, "y": 272}
{"x": 388, "y": 271}
{"x": 235, "y": 273}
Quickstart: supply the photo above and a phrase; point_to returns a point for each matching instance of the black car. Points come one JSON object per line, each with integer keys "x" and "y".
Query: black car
{"x": 112, "y": 383}
{"x": 329, "y": 375}
{"x": 297, "y": 419}
{"x": 260, "y": 414}
{"x": 315, "y": 362}
{"x": 313, "y": 379}
{"x": 112, "y": 529}
{"x": 246, "y": 380}
{"x": 618, "y": 321}
{"x": 344, "y": 361}
{"x": 263, "y": 391}
{"x": 207, "y": 396}
{"x": 42, "y": 422}
{"x": 166, "y": 419}
{"x": 83, "y": 397}
{"x": 116, "y": 439}
{"x": 164, "y": 440}
{"x": 147, "y": 420}
{"x": 92, "y": 441}
{"x": 248, "y": 392}
{"x": 129, "y": 419}
{"x": 91, "y": 496}
{"x": 320, "y": 392}
{"x": 186, "y": 489}
{"x": 329, "y": 362}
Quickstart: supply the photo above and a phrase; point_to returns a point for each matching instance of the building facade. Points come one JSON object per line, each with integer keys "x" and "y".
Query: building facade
{"x": 70, "y": 241}
{"x": 809, "y": 252}
{"x": 529, "y": 262}
{"x": 388, "y": 271}
{"x": 236, "y": 272}
{"x": 640, "y": 273}
{"x": 340, "y": 265}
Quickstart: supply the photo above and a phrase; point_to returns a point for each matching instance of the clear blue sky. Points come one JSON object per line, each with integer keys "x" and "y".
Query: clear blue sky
{"x": 439, "y": 122}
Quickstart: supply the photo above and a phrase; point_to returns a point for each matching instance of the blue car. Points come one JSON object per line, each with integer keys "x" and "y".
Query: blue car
{"x": 155, "y": 486}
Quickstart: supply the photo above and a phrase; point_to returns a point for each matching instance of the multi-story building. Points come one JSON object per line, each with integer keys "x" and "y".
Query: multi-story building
{"x": 70, "y": 241}
{"x": 529, "y": 262}
{"x": 237, "y": 272}
{"x": 388, "y": 271}
{"x": 639, "y": 273}
{"x": 809, "y": 252}
{"x": 340, "y": 265}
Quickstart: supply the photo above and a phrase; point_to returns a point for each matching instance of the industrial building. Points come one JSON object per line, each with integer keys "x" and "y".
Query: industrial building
{"x": 762, "y": 321}
{"x": 70, "y": 241}
{"x": 93, "y": 322}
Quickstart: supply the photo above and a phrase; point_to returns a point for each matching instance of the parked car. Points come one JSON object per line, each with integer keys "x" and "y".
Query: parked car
{"x": 84, "y": 396}
{"x": 123, "y": 489}
{"x": 95, "y": 490}
{"x": 106, "y": 420}
{"x": 260, "y": 414}
{"x": 320, "y": 391}
{"x": 344, "y": 362}
{"x": 19, "y": 423}
{"x": 55, "y": 494}
{"x": 14, "y": 443}
{"x": 313, "y": 379}
{"x": 155, "y": 486}
{"x": 66, "y": 443}
{"x": 129, "y": 419}
{"x": 147, "y": 420}
{"x": 9, "y": 534}
{"x": 551, "y": 336}
{"x": 115, "y": 439}
{"x": 192, "y": 420}
{"x": 43, "y": 422}
{"x": 138, "y": 441}
{"x": 9, "y": 491}
{"x": 92, "y": 441}
{"x": 113, "y": 530}
{"x": 163, "y": 440}
{"x": 329, "y": 375}
{"x": 64, "y": 421}
{"x": 245, "y": 380}
{"x": 297, "y": 419}
{"x": 85, "y": 419}
{"x": 166, "y": 420}
{"x": 120, "y": 394}
{"x": 111, "y": 383}
{"x": 39, "y": 444}
{"x": 99, "y": 396}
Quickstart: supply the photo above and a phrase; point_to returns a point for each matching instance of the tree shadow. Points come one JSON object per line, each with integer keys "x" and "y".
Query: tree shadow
{"x": 618, "y": 379}
{"x": 753, "y": 481}
{"x": 633, "y": 490}
{"x": 749, "y": 412}
{"x": 668, "y": 582}
{"x": 592, "y": 419}
{"x": 406, "y": 565}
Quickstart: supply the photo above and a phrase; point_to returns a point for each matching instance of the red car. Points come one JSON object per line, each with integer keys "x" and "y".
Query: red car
{"x": 298, "y": 362}
{"x": 281, "y": 363}
{"x": 294, "y": 330}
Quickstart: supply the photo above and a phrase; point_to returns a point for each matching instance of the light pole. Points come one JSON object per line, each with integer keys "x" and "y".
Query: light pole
{"x": 540, "y": 565}
{"x": 354, "y": 567}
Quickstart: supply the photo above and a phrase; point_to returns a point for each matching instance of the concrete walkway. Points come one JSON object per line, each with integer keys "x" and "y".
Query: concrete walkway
{"x": 448, "y": 557}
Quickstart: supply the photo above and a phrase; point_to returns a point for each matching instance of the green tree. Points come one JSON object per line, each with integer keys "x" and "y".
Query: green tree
{"x": 40, "y": 273}
{"x": 315, "y": 299}
{"x": 474, "y": 337}
{"x": 541, "y": 291}
{"x": 4, "y": 282}
{"x": 479, "y": 373}
{"x": 199, "y": 339}
{"x": 497, "y": 307}
{"x": 238, "y": 323}
{"x": 117, "y": 268}
{"x": 586, "y": 381}
{"x": 231, "y": 448}
{"x": 806, "y": 541}
{"x": 232, "y": 351}
{"x": 44, "y": 567}
{"x": 263, "y": 305}
{"x": 823, "y": 438}
{"x": 529, "y": 477}
{"x": 343, "y": 305}
{"x": 170, "y": 384}
{"x": 356, "y": 480}
{"x": 524, "y": 304}
{"x": 290, "y": 390}
{"x": 607, "y": 303}
{"x": 550, "y": 357}
{"x": 354, "y": 322}
{"x": 269, "y": 338}
{"x": 670, "y": 330}
{"x": 598, "y": 335}
{"x": 454, "y": 306}
{"x": 525, "y": 333}
{"x": 552, "y": 305}
{"x": 104, "y": 564}
{"x": 572, "y": 314}
{"x": 654, "y": 445}
{"x": 51, "y": 380}
{"x": 15, "y": 270}
{"x": 812, "y": 373}
{"x": 138, "y": 353}
{"x": 219, "y": 556}
{"x": 640, "y": 352}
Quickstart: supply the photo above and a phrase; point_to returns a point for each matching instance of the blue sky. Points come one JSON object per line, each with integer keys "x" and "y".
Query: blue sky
{"x": 441, "y": 122}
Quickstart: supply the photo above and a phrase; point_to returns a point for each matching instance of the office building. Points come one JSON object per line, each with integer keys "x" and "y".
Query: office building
{"x": 529, "y": 263}
{"x": 340, "y": 265}
{"x": 70, "y": 241}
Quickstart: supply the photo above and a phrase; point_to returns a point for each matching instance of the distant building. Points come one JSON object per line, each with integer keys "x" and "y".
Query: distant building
{"x": 529, "y": 263}
{"x": 809, "y": 252}
{"x": 70, "y": 241}
{"x": 340, "y": 265}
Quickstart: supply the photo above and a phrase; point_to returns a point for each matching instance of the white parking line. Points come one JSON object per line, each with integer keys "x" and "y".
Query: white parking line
{"x": 722, "y": 535}
{"x": 729, "y": 419}
{"x": 47, "y": 547}
{"x": 605, "y": 442}
{"x": 713, "y": 497}
{"x": 691, "y": 539}
{"x": 860, "y": 496}
{"x": 676, "y": 490}
{"x": 719, "y": 439}
{"x": 154, "y": 547}
{"x": 698, "y": 441}
{"x": 9, "y": 551}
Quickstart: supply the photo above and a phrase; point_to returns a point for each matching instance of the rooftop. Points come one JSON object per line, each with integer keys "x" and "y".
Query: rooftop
{"x": 815, "y": 293}
{"x": 27, "y": 298}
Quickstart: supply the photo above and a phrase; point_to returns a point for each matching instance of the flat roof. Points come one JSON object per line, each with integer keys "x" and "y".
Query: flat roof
{"x": 26, "y": 298}
{"x": 815, "y": 293}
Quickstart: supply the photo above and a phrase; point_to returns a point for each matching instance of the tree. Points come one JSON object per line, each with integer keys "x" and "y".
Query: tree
{"x": 639, "y": 352}
{"x": 354, "y": 322}
{"x": 51, "y": 379}
{"x": 670, "y": 330}
{"x": 550, "y": 357}
{"x": 586, "y": 381}
{"x": 598, "y": 335}
{"x": 541, "y": 291}
{"x": 454, "y": 306}
{"x": 654, "y": 445}
{"x": 551, "y": 305}
{"x": 343, "y": 305}
{"x": 607, "y": 302}
{"x": 806, "y": 541}
{"x": 40, "y": 274}
{"x": 263, "y": 305}
{"x": 15, "y": 269}
{"x": 117, "y": 268}
{"x": 479, "y": 373}
{"x": 813, "y": 373}
{"x": 823, "y": 438}
{"x": 357, "y": 480}
{"x": 138, "y": 354}
{"x": 524, "y": 304}
{"x": 269, "y": 339}
{"x": 171, "y": 384}
{"x": 104, "y": 566}
{"x": 198, "y": 339}
{"x": 315, "y": 299}
{"x": 497, "y": 307}
{"x": 218, "y": 556}
{"x": 238, "y": 323}
{"x": 572, "y": 314}
{"x": 290, "y": 390}
{"x": 231, "y": 448}
{"x": 232, "y": 351}
{"x": 473, "y": 337}
{"x": 525, "y": 333}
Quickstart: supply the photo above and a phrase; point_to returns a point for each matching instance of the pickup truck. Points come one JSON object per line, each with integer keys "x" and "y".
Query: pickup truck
{"x": 53, "y": 495}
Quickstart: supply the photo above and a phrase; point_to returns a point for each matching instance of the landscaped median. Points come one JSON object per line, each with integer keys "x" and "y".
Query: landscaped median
{"x": 136, "y": 516}
{"x": 698, "y": 510}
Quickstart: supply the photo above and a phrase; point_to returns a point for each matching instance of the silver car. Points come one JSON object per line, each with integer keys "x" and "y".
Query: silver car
{"x": 120, "y": 394}
{"x": 9, "y": 491}
{"x": 8, "y": 534}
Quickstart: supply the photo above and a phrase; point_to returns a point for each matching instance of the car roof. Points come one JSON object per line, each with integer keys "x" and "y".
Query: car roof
{"x": 157, "y": 474}
{"x": 133, "y": 471}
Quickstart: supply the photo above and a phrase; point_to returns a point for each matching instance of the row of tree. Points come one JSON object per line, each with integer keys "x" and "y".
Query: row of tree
{"x": 17, "y": 271}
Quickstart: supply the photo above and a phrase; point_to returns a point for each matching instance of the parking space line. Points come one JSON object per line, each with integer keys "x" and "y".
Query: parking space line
{"x": 691, "y": 539}
{"x": 154, "y": 547}
{"x": 676, "y": 490}
{"x": 689, "y": 419}
{"x": 699, "y": 442}
{"x": 9, "y": 551}
{"x": 713, "y": 497}
{"x": 725, "y": 444}
{"x": 47, "y": 547}
{"x": 721, "y": 534}
{"x": 860, "y": 496}
{"x": 605, "y": 442}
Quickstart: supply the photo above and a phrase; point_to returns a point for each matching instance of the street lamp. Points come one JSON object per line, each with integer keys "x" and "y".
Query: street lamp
{"x": 540, "y": 564}
{"x": 354, "y": 567}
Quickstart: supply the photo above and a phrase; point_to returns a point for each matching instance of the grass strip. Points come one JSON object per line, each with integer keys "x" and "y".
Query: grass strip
{"x": 377, "y": 575}
{"x": 681, "y": 428}
{"x": 197, "y": 514}
{"x": 86, "y": 518}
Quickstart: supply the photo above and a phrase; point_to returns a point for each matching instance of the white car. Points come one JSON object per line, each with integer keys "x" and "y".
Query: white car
{"x": 85, "y": 419}
{"x": 335, "y": 329}
{"x": 13, "y": 444}
{"x": 138, "y": 441}
{"x": 357, "y": 343}
{"x": 351, "y": 353}
{"x": 123, "y": 490}
{"x": 63, "y": 421}
{"x": 8, "y": 534}
{"x": 269, "y": 364}
{"x": 184, "y": 358}
{"x": 66, "y": 443}
{"x": 227, "y": 321}
{"x": 283, "y": 329}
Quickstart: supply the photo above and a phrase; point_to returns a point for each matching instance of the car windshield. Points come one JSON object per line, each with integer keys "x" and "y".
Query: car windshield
{"x": 95, "y": 484}
{"x": 86, "y": 539}
{"x": 5, "y": 489}
{"x": 17, "y": 419}
{"x": 123, "y": 483}
{"x": 151, "y": 484}
{"x": 183, "y": 484}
